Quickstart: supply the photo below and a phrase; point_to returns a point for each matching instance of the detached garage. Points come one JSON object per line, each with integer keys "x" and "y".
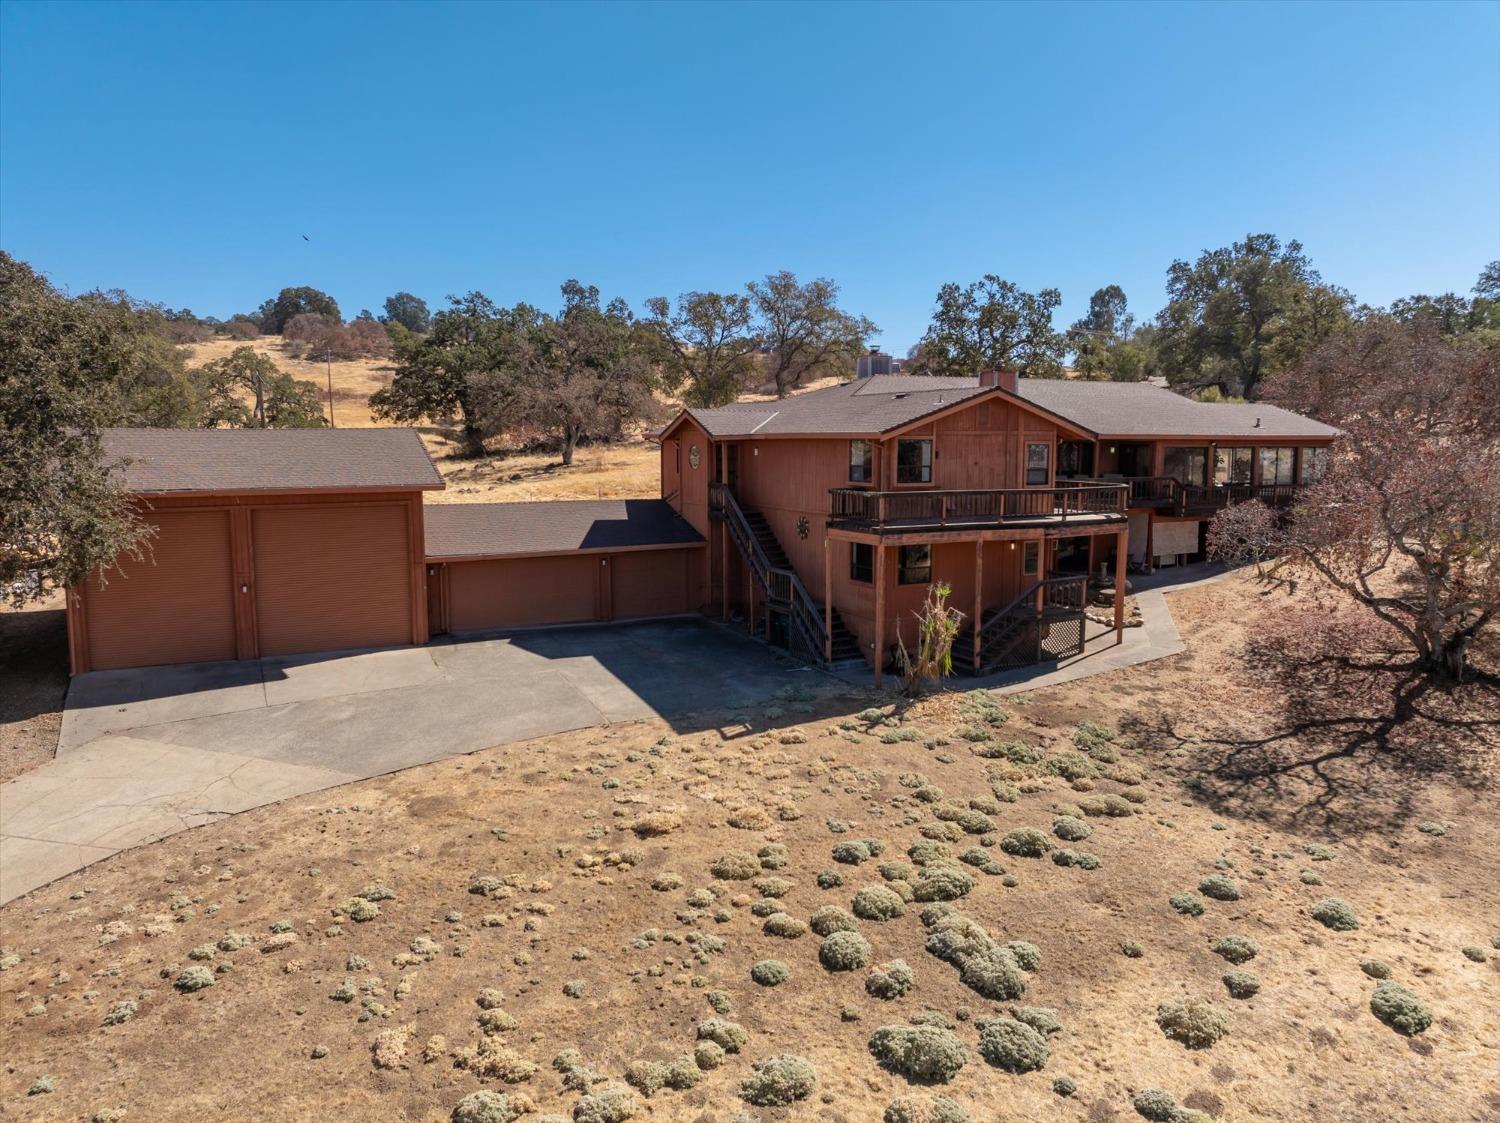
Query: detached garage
{"x": 497, "y": 566}
{"x": 267, "y": 542}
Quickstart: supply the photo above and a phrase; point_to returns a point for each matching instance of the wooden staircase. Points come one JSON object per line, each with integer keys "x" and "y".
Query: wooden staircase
{"x": 1045, "y": 622}
{"x": 781, "y": 590}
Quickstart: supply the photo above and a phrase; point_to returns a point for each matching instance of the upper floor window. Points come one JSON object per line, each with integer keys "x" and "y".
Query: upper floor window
{"x": 861, "y": 462}
{"x": 915, "y": 565}
{"x": 861, "y": 562}
{"x": 1234, "y": 465}
{"x": 1186, "y": 465}
{"x": 914, "y": 462}
{"x": 1277, "y": 465}
{"x": 1314, "y": 464}
{"x": 1038, "y": 464}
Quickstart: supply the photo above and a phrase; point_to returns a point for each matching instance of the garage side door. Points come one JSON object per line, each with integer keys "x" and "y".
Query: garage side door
{"x": 331, "y": 578}
{"x": 522, "y": 593}
{"x": 174, "y": 606}
{"x": 651, "y": 583}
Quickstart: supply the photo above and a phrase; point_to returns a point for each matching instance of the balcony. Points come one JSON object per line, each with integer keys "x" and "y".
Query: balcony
{"x": 1165, "y": 493}
{"x": 1082, "y": 503}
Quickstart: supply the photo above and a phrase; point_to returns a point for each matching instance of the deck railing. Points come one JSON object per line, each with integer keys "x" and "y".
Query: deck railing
{"x": 895, "y": 511}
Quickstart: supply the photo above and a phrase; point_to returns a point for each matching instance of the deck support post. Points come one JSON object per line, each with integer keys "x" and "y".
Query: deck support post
{"x": 827, "y": 599}
{"x": 879, "y": 611}
{"x": 1122, "y": 541}
{"x": 978, "y": 598}
{"x": 749, "y": 599}
{"x": 1150, "y": 542}
{"x": 724, "y": 569}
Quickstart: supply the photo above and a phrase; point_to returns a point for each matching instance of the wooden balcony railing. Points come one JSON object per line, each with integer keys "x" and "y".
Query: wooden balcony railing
{"x": 896, "y": 511}
{"x": 1192, "y": 498}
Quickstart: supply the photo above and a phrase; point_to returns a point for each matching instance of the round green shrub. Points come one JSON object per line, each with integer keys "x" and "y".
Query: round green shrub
{"x": 787, "y": 927}
{"x": 194, "y": 978}
{"x": 1025, "y": 842}
{"x": 727, "y": 1035}
{"x": 1156, "y": 1105}
{"x": 1132, "y": 950}
{"x": 878, "y": 902}
{"x": 936, "y": 1109}
{"x": 1027, "y": 955}
{"x": 485, "y": 1107}
{"x": 1012, "y": 1045}
{"x": 1241, "y": 984}
{"x": 1064, "y": 1086}
{"x": 924, "y": 1054}
{"x": 1069, "y": 829}
{"x": 1236, "y": 949}
{"x": 1082, "y": 859}
{"x": 1196, "y": 1022}
{"x": 898, "y": 871}
{"x": 770, "y": 972}
{"x": 778, "y": 1081}
{"x": 1220, "y": 888}
{"x": 1111, "y": 806}
{"x": 611, "y": 1104}
{"x": 1375, "y": 968}
{"x": 926, "y": 851}
{"x": 851, "y": 853}
{"x": 890, "y": 981}
{"x": 942, "y": 883}
{"x": 1475, "y": 953}
{"x": 844, "y": 951}
{"x": 1400, "y": 1009}
{"x": 830, "y": 879}
{"x": 1310, "y": 877}
{"x": 1335, "y": 913}
{"x": 708, "y": 1055}
{"x": 830, "y": 919}
{"x": 736, "y": 865}
{"x": 1043, "y": 1019}
{"x": 1189, "y": 904}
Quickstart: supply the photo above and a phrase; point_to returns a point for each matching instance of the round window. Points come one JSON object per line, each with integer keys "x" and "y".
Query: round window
{"x": 694, "y": 456}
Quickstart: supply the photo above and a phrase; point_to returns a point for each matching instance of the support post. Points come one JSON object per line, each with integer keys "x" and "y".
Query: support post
{"x": 724, "y": 567}
{"x": 1121, "y": 544}
{"x": 1150, "y": 542}
{"x": 827, "y": 599}
{"x": 749, "y": 598}
{"x": 879, "y": 611}
{"x": 978, "y": 598}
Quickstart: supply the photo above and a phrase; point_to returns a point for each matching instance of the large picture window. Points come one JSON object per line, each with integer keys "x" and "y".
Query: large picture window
{"x": 914, "y": 462}
{"x": 1314, "y": 464}
{"x": 1186, "y": 465}
{"x": 1234, "y": 466}
{"x": 861, "y": 562}
{"x": 1278, "y": 465}
{"x": 1038, "y": 464}
{"x": 915, "y": 566}
{"x": 861, "y": 462}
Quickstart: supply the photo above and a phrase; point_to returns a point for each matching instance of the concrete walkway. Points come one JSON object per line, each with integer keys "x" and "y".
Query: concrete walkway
{"x": 146, "y": 753}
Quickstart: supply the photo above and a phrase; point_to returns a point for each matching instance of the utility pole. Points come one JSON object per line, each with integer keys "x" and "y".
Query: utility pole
{"x": 328, "y": 358}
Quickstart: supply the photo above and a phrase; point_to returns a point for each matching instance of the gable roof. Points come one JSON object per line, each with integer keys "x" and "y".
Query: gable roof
{"x": 1138, "y": 409}
{"x": 866, "y": 406}
{"x": 167, "y": 461}
{"x": 491, "y": 530}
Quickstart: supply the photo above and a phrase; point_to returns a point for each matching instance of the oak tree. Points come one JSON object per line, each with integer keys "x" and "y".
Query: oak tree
{"x": 804, "y": 333}
{"x": 993, "y": 323}
{"x": 704, "y": 347}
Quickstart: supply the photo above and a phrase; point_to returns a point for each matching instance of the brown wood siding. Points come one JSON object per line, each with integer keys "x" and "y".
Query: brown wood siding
{"x": 651, "y": 582}
{"x": 523, "y": 592}
{"x": 176, "y": 605}
{"x": 333, "y": 577}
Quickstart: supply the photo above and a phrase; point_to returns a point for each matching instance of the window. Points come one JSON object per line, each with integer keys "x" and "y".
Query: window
{"x": 915, "y": 565}
{"x": 1233, "y": 466}
{"x": 1314, "y": 464}
{"x": 913, "y": 462}
{"x": 861, "y": 461}
{"x": 1038, "y": 461}
{"x": 861, "y": 562}
{"x": 1031, "y": 558}
{"x": 1186, "y": 465}
{"x": 1276, "y": 465}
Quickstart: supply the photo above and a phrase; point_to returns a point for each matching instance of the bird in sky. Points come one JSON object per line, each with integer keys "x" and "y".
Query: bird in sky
{"x": 305, "y": 238}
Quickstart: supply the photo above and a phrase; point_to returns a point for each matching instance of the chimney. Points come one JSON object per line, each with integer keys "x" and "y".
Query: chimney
{"x": 1003, "y": 377}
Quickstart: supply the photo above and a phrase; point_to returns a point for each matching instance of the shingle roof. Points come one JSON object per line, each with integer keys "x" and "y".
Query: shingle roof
{"x": 1137, "y": 409}
{"x": 457, "y": 530}
{"x": 869, "y": 405}
{"x": 154, "y": 461}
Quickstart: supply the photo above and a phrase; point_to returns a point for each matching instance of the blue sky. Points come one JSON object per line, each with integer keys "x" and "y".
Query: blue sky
{"x": 181, "y": 151}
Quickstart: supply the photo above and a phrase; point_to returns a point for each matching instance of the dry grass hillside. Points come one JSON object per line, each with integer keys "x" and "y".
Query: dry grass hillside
{"x": 628, "y": 469}
{"x": 1101, "y": 902}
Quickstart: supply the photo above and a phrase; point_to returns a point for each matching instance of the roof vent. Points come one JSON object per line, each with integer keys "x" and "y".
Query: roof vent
{"x": 1257, "y": 423}
{"x": 898, "y": 397}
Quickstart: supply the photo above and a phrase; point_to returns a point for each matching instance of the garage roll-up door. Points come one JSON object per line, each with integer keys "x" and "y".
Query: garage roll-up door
{"x": 523, "y": 592}
{"x": 176, "y": 605}
{"x": 651, "y": 583}
{"x": 331, "y": 578}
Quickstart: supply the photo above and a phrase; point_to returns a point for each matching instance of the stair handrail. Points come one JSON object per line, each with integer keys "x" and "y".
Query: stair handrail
{"x": 803, "y": 610}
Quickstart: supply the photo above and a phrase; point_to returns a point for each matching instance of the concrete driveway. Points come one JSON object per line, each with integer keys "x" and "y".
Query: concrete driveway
{"x": 146, "y": 753}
